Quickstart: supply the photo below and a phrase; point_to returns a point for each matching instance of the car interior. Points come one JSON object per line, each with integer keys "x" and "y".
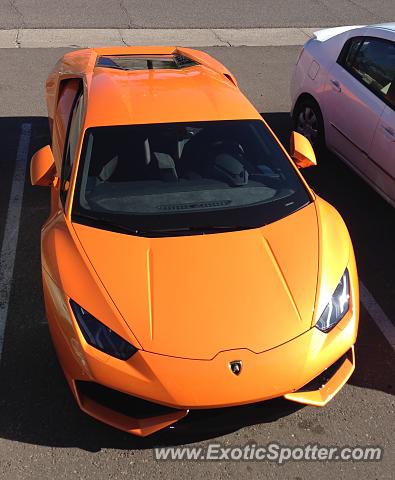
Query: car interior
{"x": 178, "y": 167}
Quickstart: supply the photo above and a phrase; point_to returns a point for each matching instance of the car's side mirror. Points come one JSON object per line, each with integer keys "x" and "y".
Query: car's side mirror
{"x": 302, "y": 151}
{"x": 42, "y": 167}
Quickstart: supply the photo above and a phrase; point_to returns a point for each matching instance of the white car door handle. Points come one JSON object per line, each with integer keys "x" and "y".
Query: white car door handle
{"x": 389, "y": 132}
{"x": 336, "y": 85}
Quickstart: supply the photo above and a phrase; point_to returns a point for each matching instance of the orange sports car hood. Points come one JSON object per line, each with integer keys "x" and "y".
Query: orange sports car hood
{"x": 194, "y": 296}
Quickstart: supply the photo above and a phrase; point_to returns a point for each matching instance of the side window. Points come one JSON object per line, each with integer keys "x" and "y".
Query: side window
{"x": 349, "y": 51}
{"x": 372, "y": 62}
{"x": 73, "y": 135}
{"x": 68, "y": 92}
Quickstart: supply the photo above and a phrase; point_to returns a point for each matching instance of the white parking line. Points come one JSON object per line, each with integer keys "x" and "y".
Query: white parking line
{"x": 191, "y": 37}
{"x": 11, "y": 230}
{"x": 385, "y": 325}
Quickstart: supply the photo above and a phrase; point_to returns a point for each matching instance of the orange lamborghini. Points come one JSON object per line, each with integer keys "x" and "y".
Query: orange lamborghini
{"x": 186, "y": 263}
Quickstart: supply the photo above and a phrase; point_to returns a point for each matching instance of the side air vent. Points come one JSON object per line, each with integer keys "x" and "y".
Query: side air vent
{"x": 145, "y": 62}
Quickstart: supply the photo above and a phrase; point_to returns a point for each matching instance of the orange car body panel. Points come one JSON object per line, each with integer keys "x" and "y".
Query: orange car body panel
{"x": 183, "y": 286}
{"x": 191, "y": 304}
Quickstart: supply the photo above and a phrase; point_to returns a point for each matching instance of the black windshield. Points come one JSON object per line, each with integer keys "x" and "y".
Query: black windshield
{"x": 184, "y": 178}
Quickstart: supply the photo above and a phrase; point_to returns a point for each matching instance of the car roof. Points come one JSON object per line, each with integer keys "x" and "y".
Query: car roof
{"x": 159, "y": 96}
{"x": 202, "y": 90}
{"x": 384, "y": 26}
{"x": 336, "y": 32}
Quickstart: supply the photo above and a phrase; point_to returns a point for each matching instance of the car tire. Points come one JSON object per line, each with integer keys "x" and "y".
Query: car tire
{"x": 307, "y": 120}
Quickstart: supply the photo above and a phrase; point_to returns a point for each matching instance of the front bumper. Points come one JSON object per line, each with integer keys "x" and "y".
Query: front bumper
{"x": 105, "y": 406}
{"x": 183, "y": 384}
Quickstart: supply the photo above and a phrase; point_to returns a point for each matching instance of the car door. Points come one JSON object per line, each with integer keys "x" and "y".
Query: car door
{"x": 382, "y": 153}
{"x": 353, "y": 110}
{"x": 373, "y": 65}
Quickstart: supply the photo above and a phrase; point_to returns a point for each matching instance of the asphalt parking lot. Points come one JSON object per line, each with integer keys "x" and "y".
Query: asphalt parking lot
{"x": 42, "y": 432}
{"x": 190, "y": 13}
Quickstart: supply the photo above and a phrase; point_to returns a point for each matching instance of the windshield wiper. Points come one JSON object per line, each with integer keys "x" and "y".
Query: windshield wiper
{"x": 99, "y": 222}
{"x": 195, "y": 230}
{"x": 104, "y": 223}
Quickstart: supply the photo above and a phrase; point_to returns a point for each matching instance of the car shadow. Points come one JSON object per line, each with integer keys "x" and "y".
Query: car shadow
{"x": 35, "y": 403}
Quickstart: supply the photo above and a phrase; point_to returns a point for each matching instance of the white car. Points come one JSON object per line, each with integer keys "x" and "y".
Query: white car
{"x": 343, "y": 96}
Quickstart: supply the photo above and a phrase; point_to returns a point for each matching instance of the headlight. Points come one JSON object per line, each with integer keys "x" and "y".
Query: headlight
{"x": 100, "y": 336}
{"x": 337, "y": 307}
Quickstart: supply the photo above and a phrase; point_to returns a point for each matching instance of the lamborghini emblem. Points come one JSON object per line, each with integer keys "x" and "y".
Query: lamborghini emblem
{"x": 236, "y": 366}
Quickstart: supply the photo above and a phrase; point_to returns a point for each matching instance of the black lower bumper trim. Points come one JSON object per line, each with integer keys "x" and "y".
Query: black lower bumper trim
{"x": 121, "y": 402}
{"x": 322, "y": 379}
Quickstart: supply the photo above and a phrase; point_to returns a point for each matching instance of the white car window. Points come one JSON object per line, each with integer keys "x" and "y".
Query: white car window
{"x": 372, "y": 62}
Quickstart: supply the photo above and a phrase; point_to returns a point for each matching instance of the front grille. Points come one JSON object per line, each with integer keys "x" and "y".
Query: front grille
{"x": 121, "y": 402}
{"x": 322, "y": 379}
